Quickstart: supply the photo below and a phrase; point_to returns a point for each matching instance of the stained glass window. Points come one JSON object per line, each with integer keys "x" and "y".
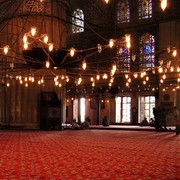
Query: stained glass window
{"x": 123, "y": 54}
{"x": 78, "y": 21}
{"x": 147, "y": 50}
{"x": 145, "y": 9}
{"x": 123, "y": 11}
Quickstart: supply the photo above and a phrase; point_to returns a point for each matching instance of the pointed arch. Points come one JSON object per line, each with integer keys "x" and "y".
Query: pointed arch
{"x": 123, "y": 11}
{"x": 145, "y": 9}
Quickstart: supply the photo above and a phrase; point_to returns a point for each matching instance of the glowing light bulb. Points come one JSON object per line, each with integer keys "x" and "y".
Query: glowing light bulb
{"x": 160, "y": 70}
{"x": 84, "y": 65}
{"x": 50, "y": 46}
{"x": 98, "y": 77}
{"x": 25, "y": 38}
{"x": 164, "y": 76}
{"x": 163, "y": 4}
{"x": 33, "y": 31}
{"x": 106, "y": 1}
{"x": 47, "y": 64}
{"x": 72, "y": 52}
{"x": 105, "y": 76}
{"x": 45, "y": 39}
{"x": 111, "y": 43}
{"x": 25, "y": 46}
{"x": 32, "y": 79}
{"x": 126, "y": 76}
{"x": 135, "y": 75}
{"x": 92, "y": 79}
{"x": 6, "y": 49}
{"x": 174, "y": 53}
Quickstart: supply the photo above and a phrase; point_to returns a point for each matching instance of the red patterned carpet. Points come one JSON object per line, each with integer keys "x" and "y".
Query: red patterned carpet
{"x": 89, "y": 155}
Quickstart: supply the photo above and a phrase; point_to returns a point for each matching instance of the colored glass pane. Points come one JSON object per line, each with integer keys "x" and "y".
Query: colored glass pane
{"x": 78, "y": 21}
{"x": 147, "y": 50}
{"x": 145, "y": 9}
{"x": 123, "y": 11}
{"x": 123, "y": 54}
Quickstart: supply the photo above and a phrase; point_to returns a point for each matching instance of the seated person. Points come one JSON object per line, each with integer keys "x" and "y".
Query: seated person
{"x": 86, "y": 124}
{"x": 144, "y": 122}
{"x": 152, "y": 122}
{"x": 75, "y": 125}
{"x": 105, "y": 121}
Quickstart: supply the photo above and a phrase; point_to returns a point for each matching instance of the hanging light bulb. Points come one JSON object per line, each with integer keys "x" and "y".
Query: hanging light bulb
{"x": 111, "y": 43}
{"x": 32, "y": 79}
{"x": 105, "y": 76}
{"x": 72, "y": 52}
{"x": 147, "y": 78}
{"x": 6, "y": 49}
{"x": 163, "y": 4}
{"x": 33, "y": 31}
{"x": 25, "y": 38}
{"x": 114, "y": 67}
{"x": 129, "y": 80}
{"x": 126, "y": 76}
{"x": 25, "y": 45}
{"x": 39, "y": 82}
{"x": 97, "y": 76}
{"x": 160, "y": 70}
{"x": 172, "y": 69}
{"x": 164, "y": 76}
{"x": 135, "y": 75}
{"x": 79, "y": 80}
{"x": 99, "y": 48}
{"x": 50, "y": 46}
{"x": 92, "y": 79}
{"x": 106, "y": 1}
{"x": 56, "y": 83}
{"x": 111, "y": 80}
{"x": 47, "y": 64}
{"x": 84, "y": 65}
{"x": 45, "y": 39}
{"x": 175, "y": 53}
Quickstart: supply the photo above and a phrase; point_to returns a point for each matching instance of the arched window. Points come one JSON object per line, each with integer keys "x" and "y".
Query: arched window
{"x": 145, "y": 9}
{"x": 78, "y": 21}
{"x": 123, "y": 54}
{"x": 147, "y": 50}
{"x": 123, "y": 11}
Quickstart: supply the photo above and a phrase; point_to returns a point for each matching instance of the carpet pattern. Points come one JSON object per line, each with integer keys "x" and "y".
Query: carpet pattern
{"x": 89, "y": 155}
